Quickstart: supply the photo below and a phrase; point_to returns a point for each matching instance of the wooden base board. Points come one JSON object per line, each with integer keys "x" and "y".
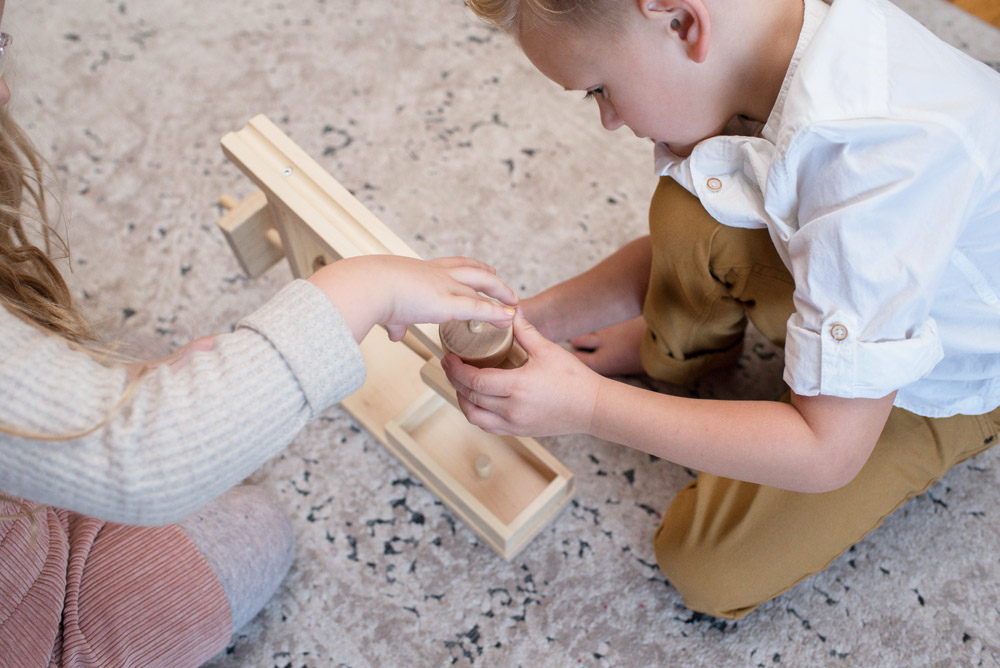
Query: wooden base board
{"x": 526, "y": 487}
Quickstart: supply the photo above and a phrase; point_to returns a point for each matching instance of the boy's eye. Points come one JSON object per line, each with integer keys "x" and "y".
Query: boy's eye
{"x": 594, "y": 92}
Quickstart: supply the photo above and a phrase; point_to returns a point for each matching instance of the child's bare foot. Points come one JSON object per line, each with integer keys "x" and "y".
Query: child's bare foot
{"x": 614, "y": 350}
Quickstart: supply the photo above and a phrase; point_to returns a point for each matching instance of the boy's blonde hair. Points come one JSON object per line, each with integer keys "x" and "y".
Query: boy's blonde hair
{"x": 508, "y": 15}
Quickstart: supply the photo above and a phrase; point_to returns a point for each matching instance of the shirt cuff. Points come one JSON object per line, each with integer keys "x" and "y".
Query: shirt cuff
{"x": 834, "y": 361}
{"x": 314, "y": 340}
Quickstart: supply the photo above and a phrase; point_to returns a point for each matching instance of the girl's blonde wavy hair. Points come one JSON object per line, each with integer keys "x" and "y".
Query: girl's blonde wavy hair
{"x": 31, "y": 286}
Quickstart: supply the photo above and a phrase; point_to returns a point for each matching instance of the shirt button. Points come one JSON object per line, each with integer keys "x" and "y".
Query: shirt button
{"x": 714, "y": 184}
{"x": 838, "y": 332}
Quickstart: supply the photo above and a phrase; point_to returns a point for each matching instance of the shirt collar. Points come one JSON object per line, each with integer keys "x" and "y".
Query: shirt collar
{"x": 815, "y": 12}
{"x": 666, "y": 162}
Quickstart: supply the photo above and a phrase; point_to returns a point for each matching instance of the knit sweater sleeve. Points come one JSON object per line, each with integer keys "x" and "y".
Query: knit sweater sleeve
{"x": 181, "y": 437}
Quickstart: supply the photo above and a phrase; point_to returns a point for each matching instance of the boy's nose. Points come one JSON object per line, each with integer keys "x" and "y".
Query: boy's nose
{"x": 609, "y": 116}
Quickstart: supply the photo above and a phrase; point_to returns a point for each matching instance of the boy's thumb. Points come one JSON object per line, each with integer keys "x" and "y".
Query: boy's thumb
{"x": 526, "y": 334}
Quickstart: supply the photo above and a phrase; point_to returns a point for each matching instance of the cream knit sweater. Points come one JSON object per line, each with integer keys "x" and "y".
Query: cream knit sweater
{"x": 183, "y": 437}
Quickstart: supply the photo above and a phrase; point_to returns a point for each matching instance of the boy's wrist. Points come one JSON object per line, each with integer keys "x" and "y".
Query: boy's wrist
{"x": 554, "y": 313}
{"x": 536, "y": 311}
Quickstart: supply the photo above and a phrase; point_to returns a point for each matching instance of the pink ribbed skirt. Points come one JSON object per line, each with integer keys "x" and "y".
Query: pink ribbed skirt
{"x": 78, "y": 592}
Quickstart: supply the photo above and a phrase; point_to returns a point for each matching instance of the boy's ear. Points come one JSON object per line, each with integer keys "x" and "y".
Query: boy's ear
{"x": 686, "y": 20}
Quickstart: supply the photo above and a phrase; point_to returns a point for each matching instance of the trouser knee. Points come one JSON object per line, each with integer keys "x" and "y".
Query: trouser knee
{"x": 706, "y": 280}
{"x": 719, "y": 564}
{"x": 249, "y": 542}
{"x": 703, "y": 576}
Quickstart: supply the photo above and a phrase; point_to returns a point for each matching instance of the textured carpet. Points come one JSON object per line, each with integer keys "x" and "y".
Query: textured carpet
{"x": 443, "y": 129}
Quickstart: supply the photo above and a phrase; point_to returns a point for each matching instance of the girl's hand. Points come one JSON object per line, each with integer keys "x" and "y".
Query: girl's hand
{"x": 397, "y": 291}
{"x": 553, "y": 393}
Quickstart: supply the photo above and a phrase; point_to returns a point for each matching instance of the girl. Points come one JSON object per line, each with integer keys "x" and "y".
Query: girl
{"x": 91, "y": 448}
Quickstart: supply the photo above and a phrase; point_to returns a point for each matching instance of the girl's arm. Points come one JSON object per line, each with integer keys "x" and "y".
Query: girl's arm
{"x": 77, "y": 434}
{"x": 611, "y": 292}
{"x": 814, "y": 444}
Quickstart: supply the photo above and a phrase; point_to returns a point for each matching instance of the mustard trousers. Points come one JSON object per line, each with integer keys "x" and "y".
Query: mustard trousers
{"x": 728, "y": 546}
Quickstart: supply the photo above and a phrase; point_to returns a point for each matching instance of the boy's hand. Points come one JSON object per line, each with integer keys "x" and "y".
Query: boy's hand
{"x": 553, "y": 393}
{"x": 614, "y": 350}
{"x": 612, "y": 292}
{"x": 400, "y": 291}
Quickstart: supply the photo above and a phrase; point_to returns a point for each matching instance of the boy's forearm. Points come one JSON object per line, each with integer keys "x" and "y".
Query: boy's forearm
{"x": 814, "y": 444}
{"x": 610, "y": 292}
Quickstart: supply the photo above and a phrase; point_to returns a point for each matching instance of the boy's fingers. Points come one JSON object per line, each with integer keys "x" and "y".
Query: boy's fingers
{"x": 526, "y": 333}
{"x": 586, "y": 342}
{"x": 486, "y": 402}
{"x": 469, "y": 380}
{"x": 482, "y": 418}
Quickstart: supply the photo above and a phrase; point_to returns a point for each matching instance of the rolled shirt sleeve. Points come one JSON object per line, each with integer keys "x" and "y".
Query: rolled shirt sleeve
{"x": 879, "y": 211}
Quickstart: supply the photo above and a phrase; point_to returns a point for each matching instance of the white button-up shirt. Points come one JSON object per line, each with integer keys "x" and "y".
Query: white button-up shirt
{"x": 877, "y": 175}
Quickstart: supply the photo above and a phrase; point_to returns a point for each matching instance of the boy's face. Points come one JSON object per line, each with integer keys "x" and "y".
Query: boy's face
{"x": 642, "y": 78}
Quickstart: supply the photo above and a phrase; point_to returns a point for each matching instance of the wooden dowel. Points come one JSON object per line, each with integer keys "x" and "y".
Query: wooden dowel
{"x": 228, "y": 202}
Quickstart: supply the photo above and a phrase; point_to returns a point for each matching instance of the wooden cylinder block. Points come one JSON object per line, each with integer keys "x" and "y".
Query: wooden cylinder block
{"x": 477, "y": 343}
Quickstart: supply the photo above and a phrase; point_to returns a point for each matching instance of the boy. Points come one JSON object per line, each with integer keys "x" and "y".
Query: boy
{"x": 831, "y": 173}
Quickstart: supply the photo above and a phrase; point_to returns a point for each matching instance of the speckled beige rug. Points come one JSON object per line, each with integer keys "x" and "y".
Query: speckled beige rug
{"x": 444, "y": 130}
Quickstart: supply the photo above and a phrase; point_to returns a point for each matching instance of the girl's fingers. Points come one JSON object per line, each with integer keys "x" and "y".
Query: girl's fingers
{"x": 396, "y": 332}
{"x": 461, "y": 261}
{"x": 587, "y": 342}
{"x": 478, "y": 308}
{"x": 485, "y": 282}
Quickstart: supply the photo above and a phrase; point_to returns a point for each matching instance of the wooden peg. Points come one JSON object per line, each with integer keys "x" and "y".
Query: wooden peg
{"x": 249, "y": 228}
{"x": 483, "y": 465}
{"x": 227, "y": 202}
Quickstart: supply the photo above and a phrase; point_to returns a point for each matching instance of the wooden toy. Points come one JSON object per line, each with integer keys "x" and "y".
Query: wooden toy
{"x": 482, "y": 344}
{"x": 504, "y": 488}
{"x": 477, "y": 343}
